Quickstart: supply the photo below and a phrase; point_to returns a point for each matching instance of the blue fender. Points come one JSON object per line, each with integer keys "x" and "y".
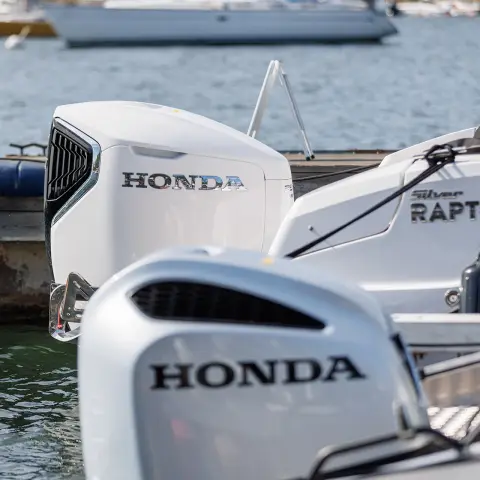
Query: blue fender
{"x": 21, "y": 178}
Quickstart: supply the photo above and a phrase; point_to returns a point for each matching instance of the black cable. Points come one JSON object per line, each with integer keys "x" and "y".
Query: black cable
{"x": 437, "y": 157}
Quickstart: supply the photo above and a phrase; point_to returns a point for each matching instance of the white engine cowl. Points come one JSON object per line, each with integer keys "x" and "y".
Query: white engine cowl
{"x": 125, "y": 179}
{"x": 225, "y": 365}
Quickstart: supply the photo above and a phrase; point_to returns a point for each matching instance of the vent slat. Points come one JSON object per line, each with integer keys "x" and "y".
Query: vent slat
{"x": 69, "y": 163}
{"x": 190, "y": 301}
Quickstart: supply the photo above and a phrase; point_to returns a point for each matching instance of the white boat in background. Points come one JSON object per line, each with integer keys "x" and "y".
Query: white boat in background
{"x": 156, "y": 22}
{"x": 426, "y": 8}
{"x": 19, "y": 10}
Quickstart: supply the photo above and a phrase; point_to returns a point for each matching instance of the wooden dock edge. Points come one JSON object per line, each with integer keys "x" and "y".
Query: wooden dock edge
{"x": 38, "y": 29}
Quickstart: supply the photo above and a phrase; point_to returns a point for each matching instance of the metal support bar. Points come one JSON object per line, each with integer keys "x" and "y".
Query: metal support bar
{"x": 275, "y": 70}
{"x": 262, "y": 100}
{"x": 458, "y": 332}
{"x": 296, "y": 113}
{"x": 63, "y": 307}
{"x": 451, "y": 365}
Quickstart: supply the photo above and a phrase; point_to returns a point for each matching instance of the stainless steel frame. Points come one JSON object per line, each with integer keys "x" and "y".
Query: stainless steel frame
{"x": 275, "y": 71}
{"x": 63, "y": 310}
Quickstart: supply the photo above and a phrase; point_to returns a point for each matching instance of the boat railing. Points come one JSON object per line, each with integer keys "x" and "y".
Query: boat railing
{"x": 275, "y": 73}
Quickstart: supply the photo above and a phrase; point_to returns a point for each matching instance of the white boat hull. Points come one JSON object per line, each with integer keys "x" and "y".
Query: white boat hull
{"x": 83, "y": 26}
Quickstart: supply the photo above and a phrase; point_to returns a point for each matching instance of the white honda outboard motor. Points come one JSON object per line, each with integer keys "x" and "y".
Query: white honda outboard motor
{"x": 124, "y": 179}
{"x": 221, "y": 364}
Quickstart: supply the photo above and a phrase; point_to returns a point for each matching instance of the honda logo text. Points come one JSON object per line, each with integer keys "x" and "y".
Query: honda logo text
{"x": 162, "y": 181}
{"x": 249, "y": 373}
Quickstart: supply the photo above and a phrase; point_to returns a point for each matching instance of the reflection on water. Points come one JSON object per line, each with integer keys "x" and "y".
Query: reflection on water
{"x": 39, "y": 427}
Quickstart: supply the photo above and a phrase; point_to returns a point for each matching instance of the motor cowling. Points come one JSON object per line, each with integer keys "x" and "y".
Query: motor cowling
{"x": 222, "y": 364}
{"x": 124, "y": 179}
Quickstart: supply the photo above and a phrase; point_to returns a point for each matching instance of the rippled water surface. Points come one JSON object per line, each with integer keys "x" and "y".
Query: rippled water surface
{"x": 423, "y": 83}
{"x": 39, "y": 428}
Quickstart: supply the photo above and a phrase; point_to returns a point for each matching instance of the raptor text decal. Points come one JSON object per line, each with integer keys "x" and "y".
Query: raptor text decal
{"x": 427, "y": 206}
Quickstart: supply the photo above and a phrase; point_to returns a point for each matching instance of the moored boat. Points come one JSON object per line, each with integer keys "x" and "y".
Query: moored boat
{"x": 150, "y": 22}
{"x": 16, "y": 15}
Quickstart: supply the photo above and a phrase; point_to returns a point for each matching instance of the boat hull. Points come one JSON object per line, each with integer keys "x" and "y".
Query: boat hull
{"x": 84, "y": 26}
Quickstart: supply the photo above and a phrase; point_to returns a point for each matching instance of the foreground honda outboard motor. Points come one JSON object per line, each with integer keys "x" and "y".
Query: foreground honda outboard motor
{"x": 225, "y": 365}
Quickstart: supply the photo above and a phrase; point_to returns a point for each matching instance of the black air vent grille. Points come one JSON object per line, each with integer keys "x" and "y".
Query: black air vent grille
{"x": 69, "y": 163}
{"x": 193, "y": 301}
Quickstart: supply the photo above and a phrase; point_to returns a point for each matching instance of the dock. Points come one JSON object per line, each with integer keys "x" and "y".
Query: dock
{"x": 24, "y": 272}
{"x": 38, "y": 28}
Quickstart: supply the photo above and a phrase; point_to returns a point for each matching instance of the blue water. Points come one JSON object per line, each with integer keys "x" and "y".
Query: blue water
{"x": 416, "y": 85}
